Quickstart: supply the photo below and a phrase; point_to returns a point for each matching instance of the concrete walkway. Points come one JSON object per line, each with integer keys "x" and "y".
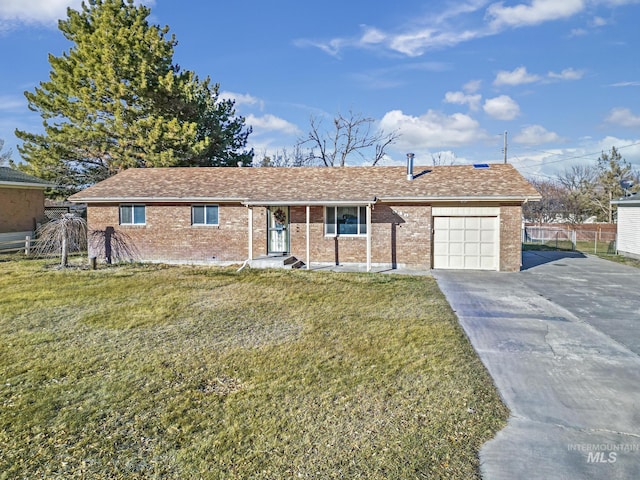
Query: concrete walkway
{"x": 561, "y": 340}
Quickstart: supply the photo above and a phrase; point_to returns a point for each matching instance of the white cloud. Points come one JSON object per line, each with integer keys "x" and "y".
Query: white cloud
{"x": 332, "y": 47}
{"x": 536, "y": 135}
{"x": 567, "y": 74}
{"x": 552, "y": 162}
{"x": 432, "y": 130}
{"x": 241, "y": 99}
{"x": 461, "y": 98}
{"x": 625, "y": 84}
{"x": 435, "y": 31}
{"x": 271, "y": 123}
{"x": 36, "y": 11}
{"x": 502, "y": 108}
{"x": 373, "y": 36}
{"x": 417, "y": 43}
{"x": 536, "y": 12}
{"x": 45, "y": 12}
{"x": 623, "y": 117}
{"x": 519, "y": 76}
{"x": 463, "y": 21}
{"x": 472, "y": 86}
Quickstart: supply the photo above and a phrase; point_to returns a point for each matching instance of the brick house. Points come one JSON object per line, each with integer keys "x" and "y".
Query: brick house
{"x": 21, "y": 201}
{"x": 461, "y": 217}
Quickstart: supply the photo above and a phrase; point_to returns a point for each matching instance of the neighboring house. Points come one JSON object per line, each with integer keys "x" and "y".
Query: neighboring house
{"x": 628, "y": 237}
{"x": 458, "y": 217}
{"x": 21, "y": 201}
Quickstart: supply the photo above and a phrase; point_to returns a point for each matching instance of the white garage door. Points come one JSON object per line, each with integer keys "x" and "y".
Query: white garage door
{"x": 466, "y": 243}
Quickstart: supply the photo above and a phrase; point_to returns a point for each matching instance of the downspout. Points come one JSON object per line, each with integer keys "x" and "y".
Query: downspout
{"x": 308, "y": 259}
{"x": 368, "y": 237}
{"x": 250, "y": 226}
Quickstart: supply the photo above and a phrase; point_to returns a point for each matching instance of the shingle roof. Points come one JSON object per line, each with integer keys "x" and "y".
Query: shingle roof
{"x": 11, "y": 176}
{"x": 311, "y": 184}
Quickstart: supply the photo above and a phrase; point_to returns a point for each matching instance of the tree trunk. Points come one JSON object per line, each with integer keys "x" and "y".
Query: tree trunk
{"x": 65, "y": 250}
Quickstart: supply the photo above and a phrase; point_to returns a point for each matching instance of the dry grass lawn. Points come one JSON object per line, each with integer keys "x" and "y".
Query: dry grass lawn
{"x": 150, "y": 371}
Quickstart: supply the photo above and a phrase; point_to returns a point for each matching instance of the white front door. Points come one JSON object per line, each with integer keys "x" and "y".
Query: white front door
{"x": 278, "y": 230}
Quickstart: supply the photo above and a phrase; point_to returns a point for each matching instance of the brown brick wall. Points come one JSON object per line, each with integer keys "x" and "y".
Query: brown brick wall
{"x": 20, "y": 209}
{"x": 401, "y": 235}
{"x": 169, "y": 236}
{"x": 259, "y": 232}
{"x": 510, "y": 238}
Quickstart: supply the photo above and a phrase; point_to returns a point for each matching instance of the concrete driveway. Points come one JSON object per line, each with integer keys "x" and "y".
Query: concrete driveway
{"x": 561, "y": 340}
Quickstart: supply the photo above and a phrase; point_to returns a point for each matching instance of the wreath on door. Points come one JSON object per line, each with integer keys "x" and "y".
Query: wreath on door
{"x": 280, "y": 216}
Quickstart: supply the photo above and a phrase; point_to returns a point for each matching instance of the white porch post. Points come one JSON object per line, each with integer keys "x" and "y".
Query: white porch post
{"x": 250, "y": 226}
{"x": 308, "y": 259}
{"x": 368, "y": 237}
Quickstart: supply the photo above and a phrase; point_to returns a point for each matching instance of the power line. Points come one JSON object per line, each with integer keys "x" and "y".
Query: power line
{"x": 586, "y": 155}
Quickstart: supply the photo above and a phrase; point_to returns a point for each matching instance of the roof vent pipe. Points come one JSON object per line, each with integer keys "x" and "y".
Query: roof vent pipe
{"x": 410, "y": 166}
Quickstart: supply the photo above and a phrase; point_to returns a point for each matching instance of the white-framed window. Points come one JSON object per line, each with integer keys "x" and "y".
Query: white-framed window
{"x": 133, "y": 215}
{"x": 204, "y": 214}
{"x": 345, "y": 221}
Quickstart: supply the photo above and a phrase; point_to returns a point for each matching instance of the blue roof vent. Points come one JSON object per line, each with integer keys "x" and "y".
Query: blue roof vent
{"x": 480, "y": 165}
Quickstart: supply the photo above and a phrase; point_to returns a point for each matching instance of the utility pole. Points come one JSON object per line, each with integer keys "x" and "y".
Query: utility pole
{"x": 505, "y": 147}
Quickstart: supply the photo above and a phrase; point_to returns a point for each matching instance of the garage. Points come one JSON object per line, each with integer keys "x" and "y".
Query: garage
{"x": 466, "y": 238}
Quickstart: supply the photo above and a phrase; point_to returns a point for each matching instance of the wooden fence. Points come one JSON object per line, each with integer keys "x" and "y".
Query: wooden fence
{"x": 16, "y": 242}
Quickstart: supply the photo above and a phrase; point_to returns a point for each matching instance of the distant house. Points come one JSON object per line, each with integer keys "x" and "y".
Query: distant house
{"x": 21, "y": 201}
{"x": 628, "y": 235}
{"x": 454, "y": 217}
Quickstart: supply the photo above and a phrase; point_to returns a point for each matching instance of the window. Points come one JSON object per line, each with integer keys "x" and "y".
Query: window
{"x": 132, "y": 215}
{"x": 346, "y": 221}
{"x": 204, "y": 214}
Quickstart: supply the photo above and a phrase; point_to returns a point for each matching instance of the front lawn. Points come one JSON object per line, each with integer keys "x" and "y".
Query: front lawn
{"x": 191, "y": 372}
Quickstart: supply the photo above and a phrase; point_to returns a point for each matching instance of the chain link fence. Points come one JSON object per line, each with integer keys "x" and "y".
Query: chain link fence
{"x": 600, "y": 241}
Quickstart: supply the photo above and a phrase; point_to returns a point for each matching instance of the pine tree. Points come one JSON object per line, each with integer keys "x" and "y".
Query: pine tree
{"x": 115, "y": 100}
{"x": 612, "y": 170}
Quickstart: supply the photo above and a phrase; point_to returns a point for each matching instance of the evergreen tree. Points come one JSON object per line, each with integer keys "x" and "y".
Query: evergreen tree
{"x": 612, "y": 170}
{"x": 115, "y": 100}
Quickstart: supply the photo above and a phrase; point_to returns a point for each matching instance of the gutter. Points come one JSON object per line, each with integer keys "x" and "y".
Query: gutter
{"x": 76, "y": 199}
{"x": 243, "y": 201}
{"x": 329, "y": 203}
{"x": 310, "y": 203}
{"x": 628, "y": 201}
{"x": 467, "y": 198}
{"x": 25, "y": 185}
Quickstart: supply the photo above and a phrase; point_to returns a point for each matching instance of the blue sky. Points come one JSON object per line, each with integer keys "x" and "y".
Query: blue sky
{"x": 562, "y": 77}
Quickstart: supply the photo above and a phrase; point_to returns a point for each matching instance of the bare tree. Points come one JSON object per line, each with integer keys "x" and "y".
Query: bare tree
{"x": 351, "y": 135}
{"x": 65, "y": 234}
{"x": 113, "y": 245}
{"x": 551, "y": 206}
{"x": 580, "y": 182}
{"x": 284, "y": 158}
{"x": 5, "y": 157}
{"x": 590, "y": 189}
{"x": 438, "y": 159}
